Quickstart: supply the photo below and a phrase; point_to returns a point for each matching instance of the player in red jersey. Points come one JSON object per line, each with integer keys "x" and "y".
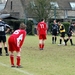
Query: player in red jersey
{"x": 15, "y": 42}
{"x": 42, "y": 31}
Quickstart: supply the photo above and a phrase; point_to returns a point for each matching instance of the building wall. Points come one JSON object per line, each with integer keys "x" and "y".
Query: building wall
{"x": 15, "y": 8}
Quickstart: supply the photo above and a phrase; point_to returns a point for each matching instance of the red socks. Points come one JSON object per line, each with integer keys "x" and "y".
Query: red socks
{"x": 41, "y": 46}
{"x": 12, "y": 60}
{"x": 18, "y": 61}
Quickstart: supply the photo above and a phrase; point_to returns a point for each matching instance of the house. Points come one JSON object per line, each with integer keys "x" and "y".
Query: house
{"x": 17, "y": 9}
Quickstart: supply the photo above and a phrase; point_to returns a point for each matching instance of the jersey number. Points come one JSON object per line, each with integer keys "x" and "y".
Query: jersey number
{"x": 41, "y": 25}
{"x": 2, "y": 28}
{"x": 19, "y": 38}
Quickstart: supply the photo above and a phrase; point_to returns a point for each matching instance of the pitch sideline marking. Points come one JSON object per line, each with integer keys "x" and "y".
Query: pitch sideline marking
{"x": 19, "y": 70}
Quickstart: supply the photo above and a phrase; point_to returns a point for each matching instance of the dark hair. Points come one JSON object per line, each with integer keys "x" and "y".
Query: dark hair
{"x": 42, "y": 19}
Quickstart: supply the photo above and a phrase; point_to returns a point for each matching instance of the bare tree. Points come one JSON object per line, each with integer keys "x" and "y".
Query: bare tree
{"x": 41, "y": 8}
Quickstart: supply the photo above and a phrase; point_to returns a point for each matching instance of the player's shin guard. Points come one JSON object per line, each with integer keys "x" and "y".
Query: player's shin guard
{"x": 18, "y": 61}
{"x": 12, "y": 60}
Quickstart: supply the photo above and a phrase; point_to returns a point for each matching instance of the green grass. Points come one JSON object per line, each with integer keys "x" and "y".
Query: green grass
{"x": 53, "y": 60}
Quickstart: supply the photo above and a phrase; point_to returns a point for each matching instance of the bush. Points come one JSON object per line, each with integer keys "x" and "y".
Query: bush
{"x": 30, "y": 27}
{"x": 14, "y": 23}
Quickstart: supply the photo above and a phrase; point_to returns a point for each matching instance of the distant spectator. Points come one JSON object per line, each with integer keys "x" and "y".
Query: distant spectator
{"x": 54, "y": 31}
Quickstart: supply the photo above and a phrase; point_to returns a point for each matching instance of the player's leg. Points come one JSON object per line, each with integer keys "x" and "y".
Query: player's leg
{"x": 12, "y": 59}
{"x": 11, "y": 45}
{"x": 40, "y": 44}
{"x": 0, "y": 49}
{"x": 18, "y": 58}
{"x": 5, "y": 46}
{"x": 60, "y": 40}
{"x": 63, "y": 37}
{"x": 0, "y": 46}
{"x": 71, "y": 41}
{"x": 43, "y": 42}
{"x": 53, "y": 39}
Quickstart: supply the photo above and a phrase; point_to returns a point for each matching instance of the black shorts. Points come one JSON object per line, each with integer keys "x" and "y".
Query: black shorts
{"x": 69, "y": 34}
{"x": 62, "y": 34}
{"x": 54, "y": 33}
{"x": 3, "y": 39}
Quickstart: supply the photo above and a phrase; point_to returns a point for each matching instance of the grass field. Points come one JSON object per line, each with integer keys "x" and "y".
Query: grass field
{"x": 53, "y": 60}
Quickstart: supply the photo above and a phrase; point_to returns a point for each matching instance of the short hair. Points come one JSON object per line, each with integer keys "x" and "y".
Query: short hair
{"x": 42, "y": 19}
{"x": 22, "y": 26}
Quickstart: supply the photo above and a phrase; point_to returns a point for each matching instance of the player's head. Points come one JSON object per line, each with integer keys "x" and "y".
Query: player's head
{"x": 73, "y": 23}
{"x": 22, "y": 26}
{"x": 59, "y": 23}
{"x": 42, "y": 19}
{"x": 54, "y": 22}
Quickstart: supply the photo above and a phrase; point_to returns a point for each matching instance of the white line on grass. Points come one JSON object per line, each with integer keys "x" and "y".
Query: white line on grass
{"x": 19, "y": 70}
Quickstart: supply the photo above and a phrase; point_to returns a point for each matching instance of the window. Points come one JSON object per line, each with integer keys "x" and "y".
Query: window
{"x": 11, "y": 5}
{"x": 54, "y": 4}
{"x": 32, "y": 4}
{"x": 72, "y": 5}
{"x": 2, "y": 4}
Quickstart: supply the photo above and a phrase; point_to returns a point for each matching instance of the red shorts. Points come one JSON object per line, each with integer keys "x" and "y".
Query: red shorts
{"x": 42, "y": 36}
{"x": 13, "y": 45}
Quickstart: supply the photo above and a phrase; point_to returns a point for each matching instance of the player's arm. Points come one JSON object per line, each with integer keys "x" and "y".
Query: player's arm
{"x": 22, "y": 40}
{"x": 37, "y": 29}
{"x": 8, "y": 28}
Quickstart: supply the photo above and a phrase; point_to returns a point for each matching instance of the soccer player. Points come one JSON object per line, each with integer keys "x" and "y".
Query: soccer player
{"x": 4, "y": 28}
{"x": 15, "y": 42}
{"x": 70, "y": 32}
{"x": 54, "y": 31}
{"x": 62, "y": 32}
{"x": 42, "y": 32}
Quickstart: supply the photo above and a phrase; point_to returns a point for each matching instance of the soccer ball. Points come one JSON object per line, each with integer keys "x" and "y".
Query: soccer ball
{"x": 63, "y": 43}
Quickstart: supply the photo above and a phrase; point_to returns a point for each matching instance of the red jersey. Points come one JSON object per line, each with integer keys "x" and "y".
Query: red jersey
{"x": 19, "y": 36}
{"x": 16, "y": 40}
{"x": 42, "y": 28}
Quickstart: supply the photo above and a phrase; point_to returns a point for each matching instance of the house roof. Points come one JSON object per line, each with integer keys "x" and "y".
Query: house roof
{"x": 23, "y": 4}
{"x": 4, "y": 15}
{"x": 65, "y": 4}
